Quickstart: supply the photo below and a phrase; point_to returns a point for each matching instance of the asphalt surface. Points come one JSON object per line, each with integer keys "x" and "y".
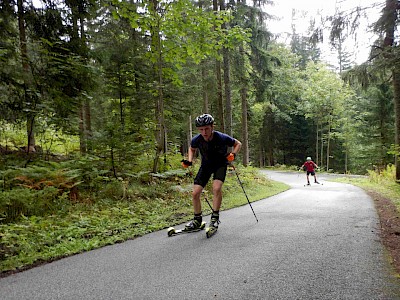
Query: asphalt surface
{"x": 317, "y": 242}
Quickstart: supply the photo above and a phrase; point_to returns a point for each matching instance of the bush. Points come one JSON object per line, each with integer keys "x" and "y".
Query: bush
{"x": 39, "y": 177}
{"x": 388, "y": 174}
{"x": 21, "y": 202}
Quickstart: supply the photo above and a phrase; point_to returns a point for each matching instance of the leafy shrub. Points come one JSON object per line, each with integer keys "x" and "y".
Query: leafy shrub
{"x": 21, "y": 202}
{"x": 39, "y": 177}
{"x": 36, "y": 190}
{"x": 388, "y": 174}
{"x": 91, "y": 171}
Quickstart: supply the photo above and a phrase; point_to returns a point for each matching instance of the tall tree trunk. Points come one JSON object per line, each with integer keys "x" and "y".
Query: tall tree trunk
{"x": 228, "y": 98}
{"x": 243, "y": 94}
{"x": 30, "y": 128}
{"x": 269, "y": 128}
{"x": 220, "y": 101}
{"x": 321, "y": 148}
{"x": 316, "y": 146}
{"x": 121, "y": 110}
{"x": 88, "y": 124}
{"x": 30, "y": 118}
{"x": 346, "y": 156}
{"x": 270, "y": 156}
{"x": 190, "y": 134}
{"x": 390, "y": 13}
{"x": 328, "y": 143}
{"x": 227, "y": 81}
{"x": 82, "y": 139}
{"x": 245, "y": 131}
{"x": 382, "y": 132}
{"x": 262, "y": 156}
{"x": 77, "y": 49}
{"x": 396, "y": 99}
{"x": 204, "y": 75}
{"x": 159, "y": 109}
{"x": 87, "y": 132}
{"x": 159, "y": 115}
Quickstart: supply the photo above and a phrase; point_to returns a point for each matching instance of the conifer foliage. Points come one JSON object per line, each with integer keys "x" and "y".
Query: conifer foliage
{"x": 126, "y": 79}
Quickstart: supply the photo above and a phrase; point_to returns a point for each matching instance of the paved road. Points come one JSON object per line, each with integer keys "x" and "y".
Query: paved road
{"x": 318, "y": 242}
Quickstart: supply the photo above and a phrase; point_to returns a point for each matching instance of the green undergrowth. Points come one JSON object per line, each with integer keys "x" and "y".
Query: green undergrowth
{"x": 119, "y": 211}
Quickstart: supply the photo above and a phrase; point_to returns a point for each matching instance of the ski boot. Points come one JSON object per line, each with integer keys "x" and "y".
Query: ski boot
{"x": 213, "y": 226}
{"x": 195, "y": 225}
{"x": 192, "y": 226}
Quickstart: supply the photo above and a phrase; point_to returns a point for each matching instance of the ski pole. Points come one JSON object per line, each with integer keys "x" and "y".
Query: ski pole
{"x": 205, "y": 198}
{"x": 240, "y": 182}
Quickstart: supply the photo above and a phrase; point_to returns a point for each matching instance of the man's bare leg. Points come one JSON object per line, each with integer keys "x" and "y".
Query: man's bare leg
{"x": 197, "y": 189}
{"x": 217, "y": 194}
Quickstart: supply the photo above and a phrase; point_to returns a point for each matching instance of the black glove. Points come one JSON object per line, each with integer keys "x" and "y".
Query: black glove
{"x": 186, "y": 163}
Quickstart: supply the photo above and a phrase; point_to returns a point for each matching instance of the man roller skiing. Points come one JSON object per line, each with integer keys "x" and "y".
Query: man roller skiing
{"x": 310, "y": 167}
{"x": 213, "y": 146}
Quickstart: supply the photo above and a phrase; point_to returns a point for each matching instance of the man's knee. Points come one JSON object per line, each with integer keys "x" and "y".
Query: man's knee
{"x": 197, "y": 189}
{"x": 217, "y": 186}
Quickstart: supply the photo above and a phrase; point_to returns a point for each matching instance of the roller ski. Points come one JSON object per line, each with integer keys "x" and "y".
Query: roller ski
{"x": 316, "y": 182}
{"x": 192, "y": 226}
{"x": 213, "y": 227}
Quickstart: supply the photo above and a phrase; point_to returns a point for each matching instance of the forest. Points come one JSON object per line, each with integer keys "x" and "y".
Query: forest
{"x": 99, "y": 95}
{"x": 121, "y": 82}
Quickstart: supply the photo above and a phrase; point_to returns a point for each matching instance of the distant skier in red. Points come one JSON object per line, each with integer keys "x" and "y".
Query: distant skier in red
{"x": 310, "y": 167}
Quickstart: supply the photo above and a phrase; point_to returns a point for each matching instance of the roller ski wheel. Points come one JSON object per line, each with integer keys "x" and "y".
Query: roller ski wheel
{"x": 172, "y": 231}
{"x": 210, "y": 231}
{"x": 213, "y": 227}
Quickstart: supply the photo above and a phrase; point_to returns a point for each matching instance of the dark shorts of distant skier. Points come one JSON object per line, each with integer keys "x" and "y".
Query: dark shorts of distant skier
{"x": 311, "y": 172}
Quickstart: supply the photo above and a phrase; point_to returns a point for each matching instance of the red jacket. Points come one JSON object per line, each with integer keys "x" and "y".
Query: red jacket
{"x": 310, "y": 165}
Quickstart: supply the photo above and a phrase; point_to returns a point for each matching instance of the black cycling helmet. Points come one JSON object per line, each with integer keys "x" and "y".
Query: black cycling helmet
{"x": 204, "y": 120}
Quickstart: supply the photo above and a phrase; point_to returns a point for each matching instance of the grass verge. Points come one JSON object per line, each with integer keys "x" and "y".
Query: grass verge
{"x": 383, "y": 186}
{"x": 386, "y": 195}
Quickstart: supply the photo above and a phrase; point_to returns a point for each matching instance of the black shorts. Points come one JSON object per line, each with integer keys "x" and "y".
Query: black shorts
{"x": 205, "y": 172}
{"x": 311, "y": 172}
